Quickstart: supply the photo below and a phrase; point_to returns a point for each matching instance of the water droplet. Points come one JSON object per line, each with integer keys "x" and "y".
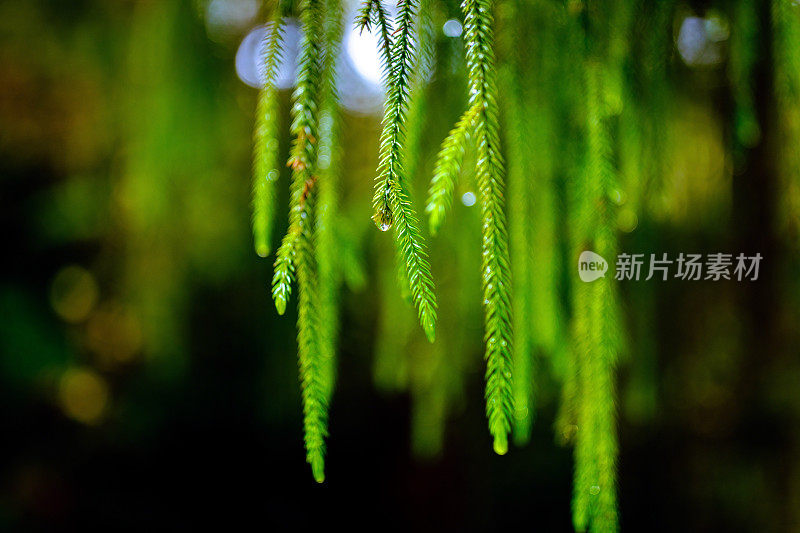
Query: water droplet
{"x": 594, "y": 490}
{"x": 383, "y": 219}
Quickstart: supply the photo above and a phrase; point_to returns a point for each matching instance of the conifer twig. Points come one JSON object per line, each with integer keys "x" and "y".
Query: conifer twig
{"x": 327, "y": 247}
{"x": 297, "y": 253}
{"x": 304, "y": 146}
{"x": 598, "y": 342}
{"x": 392, "y": 202}
{"x": 520, "y": 189}
{"x": 312, "y": 376}
{"x": 447, "y": 169}
{"x": 373, "y": 12}
{"x": 478, "y": 21}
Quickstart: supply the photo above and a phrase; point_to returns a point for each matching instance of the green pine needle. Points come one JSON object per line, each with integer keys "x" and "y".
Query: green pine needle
{"x": 415, "y": 257}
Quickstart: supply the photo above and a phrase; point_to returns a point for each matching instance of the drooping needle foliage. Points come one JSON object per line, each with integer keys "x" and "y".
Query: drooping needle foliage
{"x": 392, "y": 200}
{"x": 581, "y": 107}
{"x": 328, "y": 165}
{"x": 505, "y": 140}
{"x": 448, "y": 167}
{"x": 597, "y": 342}
{"x": 307, "y": 252}
{"x": 496, "y": 264}
{"x": 480, "y": 123}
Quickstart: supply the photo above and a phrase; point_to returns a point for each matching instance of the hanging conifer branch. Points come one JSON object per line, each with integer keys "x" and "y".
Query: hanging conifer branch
{"x": 312, "y": 375}
{"x": 580, "y": 220}
{"x": 284, "y": 272}
{"x": 328, "y": 160}
{"x": 496, "y": 264}
{"x": 518, "y": 138}
{"x": 448, "y": 167}
{"x": 297, "y": 254}
{"x": 302, "y": 158}
{"x": 265, "y": 160}
{"x": 415, "y": 123}
{"x": 373, "y": 12}
{"x": 597, "y": 330}
{"x": 392, "y": 202}
{"x": 326, "y": 249}
{"x": 308, "y": 253}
